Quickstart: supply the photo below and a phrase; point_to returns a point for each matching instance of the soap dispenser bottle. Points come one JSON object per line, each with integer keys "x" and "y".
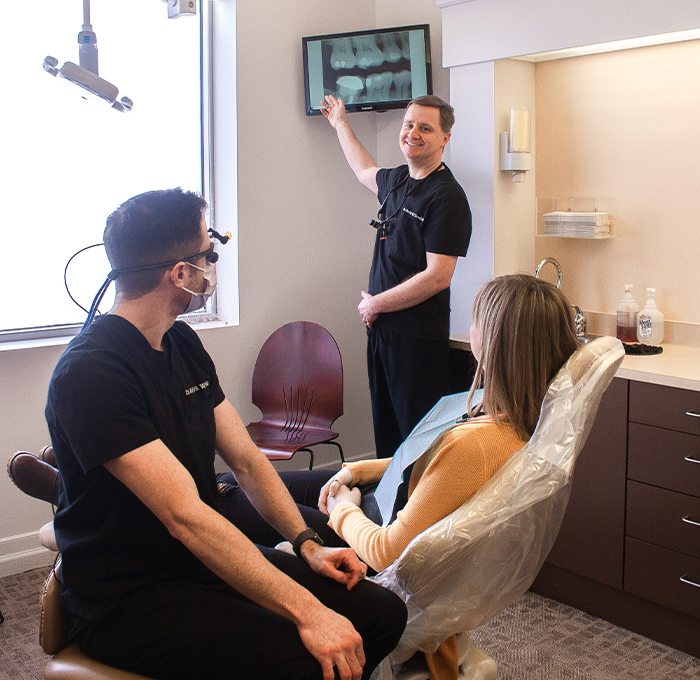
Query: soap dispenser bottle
{"x": 627, "y": 316}
{"x": 650, "y": 322}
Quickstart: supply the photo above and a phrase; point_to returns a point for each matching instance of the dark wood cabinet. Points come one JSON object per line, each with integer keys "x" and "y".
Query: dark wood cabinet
{"x": 629, "y": 547}
{"x": 662, "y": 548}
{"x": 591, "y": 538}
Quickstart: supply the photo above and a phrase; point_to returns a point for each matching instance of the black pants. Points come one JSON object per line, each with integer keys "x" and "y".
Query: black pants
{"x": 202, "y": 629}
{"x": 304, "y": 487}
{"x": 407, "y": 376}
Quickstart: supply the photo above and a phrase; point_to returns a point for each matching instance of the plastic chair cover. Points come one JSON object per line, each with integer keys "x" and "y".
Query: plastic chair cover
{"x": 472, "y": 564}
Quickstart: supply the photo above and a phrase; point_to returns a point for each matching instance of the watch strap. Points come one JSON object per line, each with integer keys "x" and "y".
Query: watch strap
{"x": 307, "y": 535}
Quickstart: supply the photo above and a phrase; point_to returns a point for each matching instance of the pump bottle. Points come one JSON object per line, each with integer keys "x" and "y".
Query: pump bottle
{"x": 650, "y": 322}
{"x": 627, "y": 316}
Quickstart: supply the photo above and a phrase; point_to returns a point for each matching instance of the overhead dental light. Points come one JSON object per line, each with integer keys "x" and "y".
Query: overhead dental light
{"x": 86, "y": 75}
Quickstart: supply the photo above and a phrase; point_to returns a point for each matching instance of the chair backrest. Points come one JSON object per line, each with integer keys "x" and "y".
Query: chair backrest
{"x": 53, "y": 626}
{"x": 298, "y": 377}
{"x": 37, "y": 476}
{"x": 471, "y": 565}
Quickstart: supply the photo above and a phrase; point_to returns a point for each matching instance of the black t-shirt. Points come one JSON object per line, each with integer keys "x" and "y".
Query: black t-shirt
{"x": 430, "y": 215}
{"x": 111, "y": 393}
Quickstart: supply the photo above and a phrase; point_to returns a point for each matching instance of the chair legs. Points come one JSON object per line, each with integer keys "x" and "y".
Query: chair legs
{"x": 311, "y": 453}
{"x": 340, "y": 450}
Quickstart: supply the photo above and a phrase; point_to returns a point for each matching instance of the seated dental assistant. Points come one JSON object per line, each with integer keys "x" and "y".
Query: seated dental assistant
{"x": 424, "y": 224}
{"x": 155, "y": 578}
{"x": 522, "y": 333}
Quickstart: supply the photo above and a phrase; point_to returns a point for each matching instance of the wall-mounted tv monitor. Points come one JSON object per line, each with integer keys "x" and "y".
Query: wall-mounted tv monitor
{"x": 370, "y": 70}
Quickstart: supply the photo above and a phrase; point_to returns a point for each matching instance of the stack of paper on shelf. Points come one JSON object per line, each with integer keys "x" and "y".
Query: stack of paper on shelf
{"x": 577, "y": 224}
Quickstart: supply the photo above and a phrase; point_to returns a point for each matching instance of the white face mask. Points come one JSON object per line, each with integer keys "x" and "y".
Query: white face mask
{"x": 200, "y": 299}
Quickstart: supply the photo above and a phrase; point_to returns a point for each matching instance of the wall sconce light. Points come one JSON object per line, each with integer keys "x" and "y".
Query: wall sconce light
{"x": 515, "y": 145}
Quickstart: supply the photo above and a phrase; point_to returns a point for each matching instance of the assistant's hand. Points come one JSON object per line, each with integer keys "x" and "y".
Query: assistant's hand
{"x": 334, "y": 110}
{"x": 340, "y": 564}
{"x": 334, "y": 643}
{"x": 366, "y": 309}
{"x": 344, "y": 495}
{"x": 341, "y": 478}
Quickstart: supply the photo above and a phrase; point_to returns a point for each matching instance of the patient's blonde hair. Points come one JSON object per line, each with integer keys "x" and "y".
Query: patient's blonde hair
{"x": 527, "y": 334}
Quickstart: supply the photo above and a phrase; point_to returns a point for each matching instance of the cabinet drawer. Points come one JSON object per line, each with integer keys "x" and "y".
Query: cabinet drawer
{"x": 664, "y": 458}
{"x": 665, "y": 518}
{"x": 669, "y": 407}
{"x": 663, "y": 576}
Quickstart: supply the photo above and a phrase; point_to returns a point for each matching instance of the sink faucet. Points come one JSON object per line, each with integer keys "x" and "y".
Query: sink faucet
{"x": 549, "y": 260}
{"x": 580, "y": 322}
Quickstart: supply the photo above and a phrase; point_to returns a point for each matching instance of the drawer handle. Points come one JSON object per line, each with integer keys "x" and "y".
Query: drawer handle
{"x": 690, "y": 459}
{"x": 687, "y": 520}
{"x": 692, "y": 415}
{"x": 686, "y": 579}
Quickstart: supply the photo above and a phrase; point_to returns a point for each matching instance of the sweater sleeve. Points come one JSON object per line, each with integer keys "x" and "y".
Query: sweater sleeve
{"x": 367, "y": 471}
{"x": 445, "y": 477}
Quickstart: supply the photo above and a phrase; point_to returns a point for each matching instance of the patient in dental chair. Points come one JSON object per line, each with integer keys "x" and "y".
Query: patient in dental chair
{"x": 522, "y": 334}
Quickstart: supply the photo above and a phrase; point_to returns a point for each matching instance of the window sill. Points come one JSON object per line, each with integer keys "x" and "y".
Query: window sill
{"x": 62, "y": 340}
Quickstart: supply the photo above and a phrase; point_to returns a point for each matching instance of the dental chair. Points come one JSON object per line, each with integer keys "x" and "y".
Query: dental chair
{"x": 38, "y": 476}
{"x": 471, "y": 565}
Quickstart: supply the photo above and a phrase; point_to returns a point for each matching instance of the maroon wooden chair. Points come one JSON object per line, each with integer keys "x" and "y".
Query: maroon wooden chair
{"x": 298, "y": 386}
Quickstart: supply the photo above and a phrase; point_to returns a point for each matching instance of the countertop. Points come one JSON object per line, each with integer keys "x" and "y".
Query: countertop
{"x": 676, "y": 366}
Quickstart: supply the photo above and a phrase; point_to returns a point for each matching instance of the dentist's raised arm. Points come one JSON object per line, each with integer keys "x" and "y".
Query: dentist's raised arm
{"x": 361, "y": 163}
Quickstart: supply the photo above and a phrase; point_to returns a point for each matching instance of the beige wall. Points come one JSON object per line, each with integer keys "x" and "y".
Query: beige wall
{"x": 625, "y": 125}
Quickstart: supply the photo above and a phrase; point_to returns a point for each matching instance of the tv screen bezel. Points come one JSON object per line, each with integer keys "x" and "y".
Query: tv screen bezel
{"x": 378, "y": 105}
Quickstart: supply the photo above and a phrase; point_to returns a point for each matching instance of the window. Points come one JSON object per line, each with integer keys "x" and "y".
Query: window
{"x": 66, "y": 163}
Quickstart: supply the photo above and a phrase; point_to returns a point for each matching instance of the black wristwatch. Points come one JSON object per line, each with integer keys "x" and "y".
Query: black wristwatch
{"x": 307, "y": 535}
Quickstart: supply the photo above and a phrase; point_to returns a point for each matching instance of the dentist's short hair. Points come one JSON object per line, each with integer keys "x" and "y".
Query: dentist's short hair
{"x": 447, "y": 113}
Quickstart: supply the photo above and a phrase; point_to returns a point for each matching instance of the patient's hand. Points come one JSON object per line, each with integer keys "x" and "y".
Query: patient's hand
{"x": 341, "y": 478}
{"x": 344, "y": 495}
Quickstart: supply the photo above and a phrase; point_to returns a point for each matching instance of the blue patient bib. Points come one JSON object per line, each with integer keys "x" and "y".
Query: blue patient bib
{"x": 444, "y": 415}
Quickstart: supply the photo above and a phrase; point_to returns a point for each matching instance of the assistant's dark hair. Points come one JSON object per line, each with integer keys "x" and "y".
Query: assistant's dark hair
{"x": 447, "y": 113}
{"x": 153, "y": 227}
{"x": 527, "y": 334}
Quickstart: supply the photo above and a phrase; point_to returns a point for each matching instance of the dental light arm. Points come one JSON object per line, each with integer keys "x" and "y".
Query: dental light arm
{"x": 87, "y": 42}
{"x": 181, "y": 8}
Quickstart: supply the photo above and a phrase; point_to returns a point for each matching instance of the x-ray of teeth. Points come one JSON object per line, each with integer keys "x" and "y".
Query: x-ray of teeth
{"x": 379, "y": 86}
{"x": 390, "y": 48}
{"x": 404, "y": 44}
{"x": 349, "y": 88}
{"x": 402, "y": 84}
{"x": 368, "y": 53}
{"x": 343, "y": 56}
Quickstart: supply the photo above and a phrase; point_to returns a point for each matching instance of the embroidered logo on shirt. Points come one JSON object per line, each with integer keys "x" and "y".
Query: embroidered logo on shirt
{"x": 196, "y": 388}
{"x": 412, "y": 214}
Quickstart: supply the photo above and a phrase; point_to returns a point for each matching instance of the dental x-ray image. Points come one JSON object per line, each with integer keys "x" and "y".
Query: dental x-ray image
{"x": 367, "y": 67}
{"x": 371, "y": 70}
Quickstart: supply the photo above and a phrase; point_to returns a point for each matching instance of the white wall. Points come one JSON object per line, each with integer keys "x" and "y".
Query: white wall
{"x": 304, "y": 243}
{"x": 486, "y": 30}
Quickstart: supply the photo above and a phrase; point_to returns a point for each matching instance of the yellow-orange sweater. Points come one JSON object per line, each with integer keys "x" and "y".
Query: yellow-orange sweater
{"x": 443, "y": 478}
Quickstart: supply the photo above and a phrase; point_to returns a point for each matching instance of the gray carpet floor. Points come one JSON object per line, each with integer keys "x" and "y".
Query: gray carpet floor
{"x": 535, "y": 638}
